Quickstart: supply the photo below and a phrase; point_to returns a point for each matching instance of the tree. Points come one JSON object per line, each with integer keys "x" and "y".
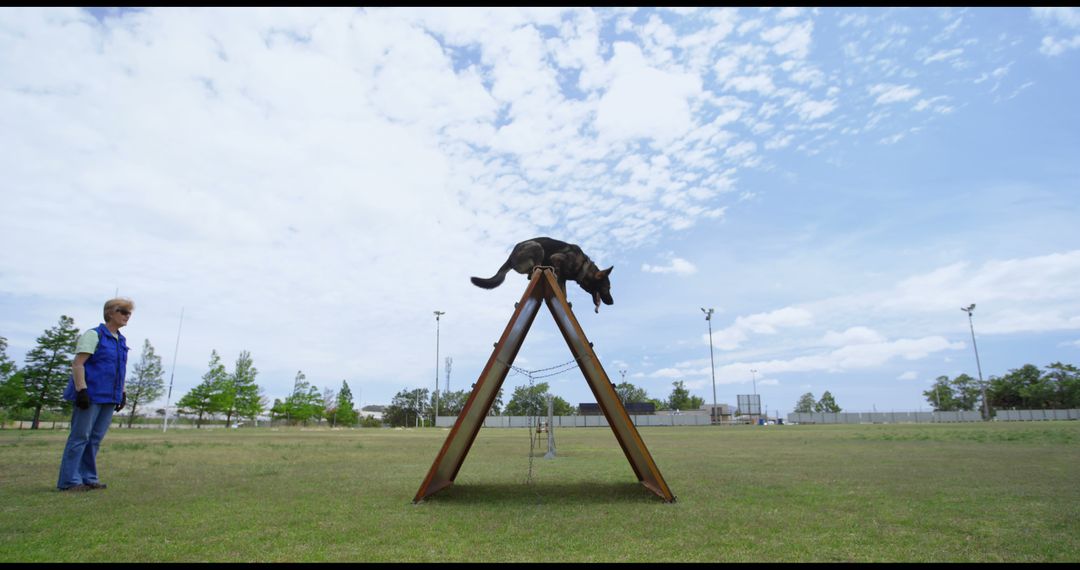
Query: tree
{"x": 941, "y": 395}
{"x": 328, "y": 404}
{"x": 239, "y": 395}
{"x": 451, "y": 403}
{"x": 147, "y": 383}
{"x": 680, "y": 398}
{"x": 12, "y": 388}
{"x": 203, "y": 398}
{"x": 344, "y": 413}
{"x": 404, "y": 409}
{"x": 48, "y": 367}
{"x": 628, "y": 393}
{"x": 1066, "y": 380}
{"x": 805, "y": 405}
{"x": 1025, "y": 388}
{"x": 304, "y": 403}
{"x": 826, "y": 404}
{"x": 7, "y": 366}
{"x": 528, "y": 401}
{"x": 248, "y": 401}
{"x": 967, "y": 392}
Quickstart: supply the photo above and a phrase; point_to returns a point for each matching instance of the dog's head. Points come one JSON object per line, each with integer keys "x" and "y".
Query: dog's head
{"x": 598, "y": 284}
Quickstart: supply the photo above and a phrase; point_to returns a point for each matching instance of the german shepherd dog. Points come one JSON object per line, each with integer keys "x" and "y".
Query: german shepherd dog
{"x": 567, "y": 259}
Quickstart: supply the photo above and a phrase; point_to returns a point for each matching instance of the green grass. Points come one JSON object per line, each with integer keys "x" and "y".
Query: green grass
{"x": 945, "y": 492}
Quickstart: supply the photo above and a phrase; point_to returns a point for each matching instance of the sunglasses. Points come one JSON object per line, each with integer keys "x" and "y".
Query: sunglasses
{"x": 124, "y": 312}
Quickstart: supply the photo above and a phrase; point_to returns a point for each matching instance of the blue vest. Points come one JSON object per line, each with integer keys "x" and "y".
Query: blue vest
{"x": 106, "y": 369}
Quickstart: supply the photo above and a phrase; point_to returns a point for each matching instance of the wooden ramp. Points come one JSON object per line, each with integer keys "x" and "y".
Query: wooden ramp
{"x": 542, "y": 287}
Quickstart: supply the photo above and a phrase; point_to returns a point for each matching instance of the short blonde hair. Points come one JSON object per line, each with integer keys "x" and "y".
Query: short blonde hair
{"x": 118, "y": 303}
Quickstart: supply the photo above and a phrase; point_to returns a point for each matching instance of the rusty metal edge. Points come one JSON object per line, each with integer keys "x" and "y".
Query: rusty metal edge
{"x": 431, "y": 485}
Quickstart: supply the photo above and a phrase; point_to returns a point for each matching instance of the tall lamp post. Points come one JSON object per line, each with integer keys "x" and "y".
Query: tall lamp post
{"x": 712, "y": 363}
{"x": 434, "y": 418}
{"x": 986, "y": 406}
{"x": 753, "y": 378}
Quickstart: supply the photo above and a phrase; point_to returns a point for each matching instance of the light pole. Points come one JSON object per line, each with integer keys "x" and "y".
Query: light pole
{"x": 712, "y": 363}
{"x": 622, "y": 372}
{"x": 165, "y": 424}
{"x": 986, "y": 406}
{"x": 434, "y": 418}
{"x": 753, "y": 378}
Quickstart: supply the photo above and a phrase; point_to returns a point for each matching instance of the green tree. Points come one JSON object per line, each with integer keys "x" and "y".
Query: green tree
{"x": 48, "y": 367}
{"x": 805, "y": 404}
{"x": 327, "y": 404}
{"x": 248, "y": 400}
{"x": 345, "y": 413}
{"x": 680, "y": 398}
{"x": 942, "y": 396}
{"x": 7, "y": 366}
{"x": 147, "y": 383}
{"x": 629, "y": 393}
{"x": 303, "y": 404}
{"x": 527, "y": 401}
{"x": 404, "y": 409}
{"x": 203, "y": 399}
{"x": 1026, "y": 388}
{"x": 12, "y": 388}
{"x": 826, "y": 404}
{"x": 451, "y": 403}
{"x": 1066, "y": 381}
{"x": 967, "y": 392}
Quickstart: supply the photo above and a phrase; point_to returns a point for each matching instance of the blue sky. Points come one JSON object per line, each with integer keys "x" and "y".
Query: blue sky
{"x": 310, "y": 185}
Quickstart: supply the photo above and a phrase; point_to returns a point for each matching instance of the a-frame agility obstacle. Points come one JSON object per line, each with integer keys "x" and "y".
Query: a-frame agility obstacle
{"x": 542, "y": 287}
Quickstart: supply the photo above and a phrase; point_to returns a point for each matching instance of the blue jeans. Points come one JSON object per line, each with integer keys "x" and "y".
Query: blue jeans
{"x": 88, "y": 427}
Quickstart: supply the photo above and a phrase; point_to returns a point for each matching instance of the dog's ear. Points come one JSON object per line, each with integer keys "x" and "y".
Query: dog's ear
{"x": 605, "y": 272}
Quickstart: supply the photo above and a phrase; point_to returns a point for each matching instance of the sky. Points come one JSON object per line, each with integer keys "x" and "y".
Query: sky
{"x": 310, "y": 185}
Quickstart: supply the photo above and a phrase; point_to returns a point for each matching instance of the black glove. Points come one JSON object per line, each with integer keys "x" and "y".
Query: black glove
{"x": 123, "y": 400}
{"x": 82, "y": 399}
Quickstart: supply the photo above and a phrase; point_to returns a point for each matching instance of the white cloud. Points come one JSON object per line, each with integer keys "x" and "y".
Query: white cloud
{"x": 1068, "y": 17}
{"x": 943, "y": 55}
{"x": 760, "y": 83}
{"x": 1064, "y": 22}
{"x": 909, "y": 375}
{"x": 853, "y": 335}
{"x": 731, "y": 337}
{"x": 890, "y": 93}
{"x": 935, "y": 104}
{"x": 844, "y": 359}
{"x": 1054, "y": 46}
{"x": 643, "y": 101}
{"x": 790, "y": 40}
{"x": 678, "y": 266}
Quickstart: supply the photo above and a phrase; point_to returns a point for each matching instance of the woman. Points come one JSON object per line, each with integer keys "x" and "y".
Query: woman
{"x": 97, "y": 388}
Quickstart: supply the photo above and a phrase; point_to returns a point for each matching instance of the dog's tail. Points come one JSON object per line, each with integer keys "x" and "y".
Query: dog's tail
{"x": 495, "y": 280}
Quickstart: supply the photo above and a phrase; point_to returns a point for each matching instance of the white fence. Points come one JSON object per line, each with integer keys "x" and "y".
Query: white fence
{"x": 585, "y": 421}
{"x": 882, "y": 417}
{"x": 928, "y": 417}
{"x": 1035, "y": 415}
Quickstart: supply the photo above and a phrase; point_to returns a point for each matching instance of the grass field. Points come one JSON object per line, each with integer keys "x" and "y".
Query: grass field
{"x": 942, "y": 492}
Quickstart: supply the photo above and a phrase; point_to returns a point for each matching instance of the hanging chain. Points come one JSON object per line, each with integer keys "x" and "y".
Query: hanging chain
{"x": 532, "y": 440}
{"x": 531, "y": 419}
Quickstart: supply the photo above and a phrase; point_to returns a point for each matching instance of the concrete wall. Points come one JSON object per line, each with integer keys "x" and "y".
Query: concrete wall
{"x": 585, "y": 421}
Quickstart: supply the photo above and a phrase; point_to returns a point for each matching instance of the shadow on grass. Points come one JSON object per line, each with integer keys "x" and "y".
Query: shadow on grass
{"x": 575, "y": 493}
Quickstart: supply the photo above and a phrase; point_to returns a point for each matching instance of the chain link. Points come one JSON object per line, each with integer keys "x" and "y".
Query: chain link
{"x": 531, "y": 418}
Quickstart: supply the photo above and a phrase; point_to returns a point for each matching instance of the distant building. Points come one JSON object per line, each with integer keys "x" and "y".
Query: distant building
{"x": 373, "y": 411}
{"x": 633, "y": 408}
